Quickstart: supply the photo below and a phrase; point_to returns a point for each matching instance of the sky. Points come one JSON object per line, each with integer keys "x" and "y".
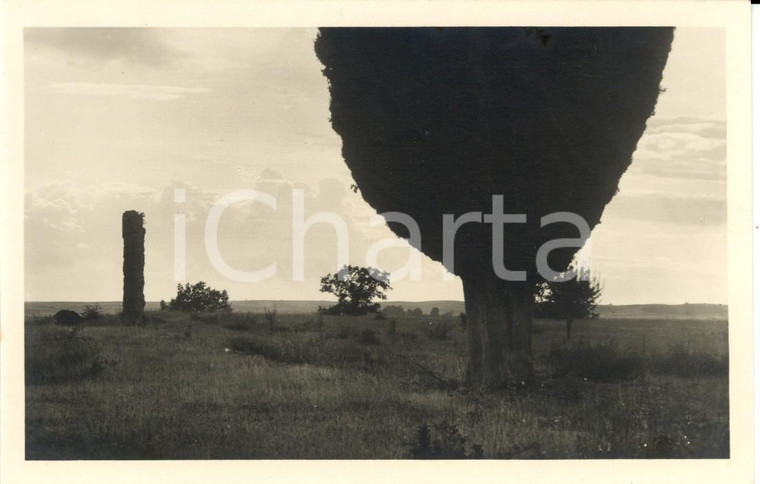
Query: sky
{"x": 169, "y": 121}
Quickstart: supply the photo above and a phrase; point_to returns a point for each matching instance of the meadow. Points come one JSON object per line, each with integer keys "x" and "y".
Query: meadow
{"x": 301, "y": 386}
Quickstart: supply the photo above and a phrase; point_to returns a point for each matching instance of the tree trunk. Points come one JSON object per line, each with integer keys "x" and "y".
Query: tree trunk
{"x": 569, "y": 326}
{"x": 499, "y": 320}
{"x": 133, "y": 233}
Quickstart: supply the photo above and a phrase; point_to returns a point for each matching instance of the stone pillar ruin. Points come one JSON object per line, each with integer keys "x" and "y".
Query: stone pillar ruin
{"x": 133, "y": 233}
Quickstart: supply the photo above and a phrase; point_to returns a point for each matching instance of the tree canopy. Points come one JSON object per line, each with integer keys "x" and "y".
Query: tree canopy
{"x": 199, "y": 298}
{"x": 438, "y": 120}
{"x": 568, "y": 300}
{"x": 356, "y": 289}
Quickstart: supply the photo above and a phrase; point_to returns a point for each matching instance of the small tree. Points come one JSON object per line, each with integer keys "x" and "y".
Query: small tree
{"x": 200, "y": 298}
{"x": 356, "y": 288}
{"x": 568, "y": 300}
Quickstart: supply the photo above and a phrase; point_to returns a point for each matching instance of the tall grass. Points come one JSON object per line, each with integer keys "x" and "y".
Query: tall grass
{"x": 57, "y": 355}
{"x": 313, "y": 390}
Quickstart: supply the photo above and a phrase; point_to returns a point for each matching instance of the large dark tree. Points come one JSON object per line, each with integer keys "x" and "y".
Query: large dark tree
{"x": 437, "y": 121}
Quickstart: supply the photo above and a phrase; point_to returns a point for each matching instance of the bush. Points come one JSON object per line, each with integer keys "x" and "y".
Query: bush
{"x": 92, "y": 312}
{"x": 55, "y": 355}
{"x": 199, "y": 298}
{"x": 441, "y": 441}
{"x": 438, "y": 330}
{"x": 679, "y": 361}
{"x": 343, "y": 333}
{"x": 66, "y": 317}
{"x": 600, "y": 362}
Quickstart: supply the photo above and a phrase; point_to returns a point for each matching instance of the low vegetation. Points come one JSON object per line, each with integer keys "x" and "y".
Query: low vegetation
{"x": 224, "y": 386}
{"x": 60, "y": 355}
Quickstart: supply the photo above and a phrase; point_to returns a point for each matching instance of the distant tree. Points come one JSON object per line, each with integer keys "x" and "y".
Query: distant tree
{"x": 435, "y": 312}
{"x": 568, "y": 300}
{"x": 356, "y": 288}
{"x": 393, "y": 311}
{"x": 416, "y": 312}
{"x": 200, "y": 298}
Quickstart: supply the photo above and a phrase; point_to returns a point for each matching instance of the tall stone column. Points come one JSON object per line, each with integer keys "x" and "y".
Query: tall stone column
{"x": 133, "y": 233}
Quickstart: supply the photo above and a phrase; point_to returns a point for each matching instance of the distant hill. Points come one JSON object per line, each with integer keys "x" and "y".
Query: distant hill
{"x": 606, "y": 311}
{"x": 663, "y": 311}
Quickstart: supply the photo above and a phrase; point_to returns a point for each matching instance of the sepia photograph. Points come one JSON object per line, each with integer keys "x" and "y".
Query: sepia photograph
{"x": 379, "y": 243}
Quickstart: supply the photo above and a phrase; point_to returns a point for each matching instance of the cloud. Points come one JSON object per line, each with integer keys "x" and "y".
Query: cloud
{"x": 678, "y": 175}
{"x": 146, "y": 46}
{"x": 131, "y": 91}
{"x": 683, "y": 148}
{"x": 675, "y": 210}
{"x": 73, "y": 234}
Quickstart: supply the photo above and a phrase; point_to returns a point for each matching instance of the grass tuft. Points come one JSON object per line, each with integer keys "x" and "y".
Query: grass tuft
{"x": 441, "y": 441}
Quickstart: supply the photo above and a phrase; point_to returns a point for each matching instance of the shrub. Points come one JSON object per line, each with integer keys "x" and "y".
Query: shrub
{"x": 441, "y": 441}
{"x": 679, "y": 361}
{"x": 55, "y": 355}
{"x": 66, "y": 317}
{"x": 438, "y": 330}
{"x": 199, "y": 298}
{"x": 92, "y": 312}
{"x": 600, "y": 362}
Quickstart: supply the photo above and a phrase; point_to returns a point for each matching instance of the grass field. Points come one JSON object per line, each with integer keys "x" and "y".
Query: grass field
{"x": 238, "y": 387}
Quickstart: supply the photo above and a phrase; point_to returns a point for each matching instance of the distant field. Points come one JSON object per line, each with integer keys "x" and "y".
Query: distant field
{"x": 634, "y": 311}
{"x": 233, "y": 387}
